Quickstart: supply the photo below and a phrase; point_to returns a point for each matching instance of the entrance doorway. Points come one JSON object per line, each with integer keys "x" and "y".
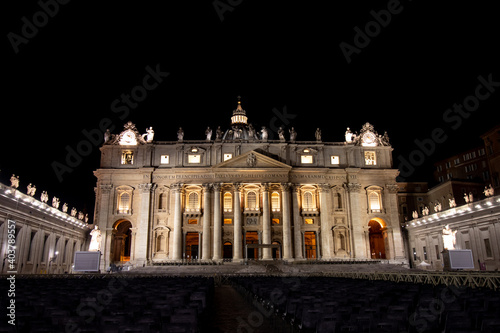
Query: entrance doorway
{"x": 377, "y": 243}
{"x": 228, "y": 250}
{"x": 192, "y": 245}
{"x": 276, "y": 251}
{"x": 121, "y": 242}
{"x": 310, "y": 244}
{"x": 252, "y": 237}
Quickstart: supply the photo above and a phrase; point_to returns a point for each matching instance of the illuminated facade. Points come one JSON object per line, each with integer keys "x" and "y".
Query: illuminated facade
{"x": 239, "y": 195}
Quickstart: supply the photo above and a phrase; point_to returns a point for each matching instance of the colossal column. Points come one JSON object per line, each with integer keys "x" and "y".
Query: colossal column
{"x": 396, "y": 241}
{"x": 177, "y": 233}
{"x": 266, "y": 222}
{"x": 102, "y": 220}
{"x": 217, "y": 223}
{"x": 237, "y": 247}
{"x": 205, "y": 251}
{"x": 358, "y": 230}
{"x": 287, "y": 231}
{"x": 143, "y": 225}
{"x": 326, "y": 232}
{"x": 297, "y": 222}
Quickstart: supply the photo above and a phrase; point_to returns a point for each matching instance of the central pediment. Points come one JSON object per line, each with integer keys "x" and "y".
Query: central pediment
{"x": 252, "y": 160}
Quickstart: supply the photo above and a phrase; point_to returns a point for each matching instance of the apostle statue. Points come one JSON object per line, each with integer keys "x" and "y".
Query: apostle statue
{"x": 208, "y": 133}
{"x": 264, "y": 134}
{"x": 65, "y": 208}
{"x": 44, "y": 197}
{"x": 317, "y": 134}
{"x": 281, "y": 134}
{"x": 452, "y": 203}
{"x": 348, "y": 135}
{"x": 471, "y": 197}
{"x": 489, "y": 191}
{"x": 251, "y": 132}
{"x": 293, "y": 134}
{"x": 180, "y": 134}
{"x": 414, "y": 214}
{"x": 31, "y": 189}
{"x": 55, "y": 202}
{"x": 107, "y": 135}
{"x": 449, "y": 238}
{"x": 218, "y": 134}
{"x": 73, "y": 211}
{"x": 14, "y": 181}
{"x": 95, "y": 241}
{"x": 466, "y": 198}
{"x": 425, "y": 211}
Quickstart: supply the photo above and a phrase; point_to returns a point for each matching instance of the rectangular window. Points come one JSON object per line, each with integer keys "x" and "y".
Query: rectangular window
{"x": 228, "y": 221}
{"x": 192, "y": 221}
{"x": 309, "y": 221}
{"x": 334, "y": 160}
{"x": 370, "y": 158}
{"x": 228, "y": 157}
{"x": 487, "y": 247}
{"x": 164, "y": 159}
{"x": 306, "y": 159}
{"x": 127, "y": 157}
{"x": 276, "y": 221}
{"x": 194, "y": 158}
{"x": 437, "y": 252}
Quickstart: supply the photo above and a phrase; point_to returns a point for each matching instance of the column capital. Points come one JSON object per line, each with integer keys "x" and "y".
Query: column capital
{"x": 264, "y": 187}
{"x": 206, "y": 186}
{"x": 105, "y": 188}
{"x": 217, "y": 187}
{"x": 324, "y": 188}
{"x": 177, "y": 187}
{"x": 285, "y": 187}
{"x": 352, "y": 187}
{"x": 147, "y": 187}
{"x": 392, "y": 188}
{"x": 237, "y": 187}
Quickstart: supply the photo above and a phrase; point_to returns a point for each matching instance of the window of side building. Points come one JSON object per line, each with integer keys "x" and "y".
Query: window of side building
{"x": 370, "y": 158}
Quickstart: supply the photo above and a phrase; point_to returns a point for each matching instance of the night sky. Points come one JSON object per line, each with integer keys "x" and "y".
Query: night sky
{"x": 400, "y": 65}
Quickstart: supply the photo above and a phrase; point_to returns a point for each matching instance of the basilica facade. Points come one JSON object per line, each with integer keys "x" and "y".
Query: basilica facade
{"x": 236, "y": 195}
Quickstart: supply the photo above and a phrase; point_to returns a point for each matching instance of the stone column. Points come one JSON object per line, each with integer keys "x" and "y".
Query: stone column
{"x": 177, "y": 233}
{"x": 326, "y": 234}
{"x": 397, "y": 248}
{"x": 237, "y": 249}
{"x": 217, "y": 222}
{"x": 266, "y": 222}
{"x": 104, "y": 207}
{"x": 287, "y": 231}
{"x": 205, "y": 251}
{"x": 297, "y": 222}
{"x": 358, "y": 231}
{"x": 143, "y": 224}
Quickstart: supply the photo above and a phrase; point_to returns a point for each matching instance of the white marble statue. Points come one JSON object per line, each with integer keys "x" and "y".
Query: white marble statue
{"x": 65, "y": 208}
{"x": 414, "y": 214}
{"x": 348, "y": 135}
{"x": 425, "y": 211}
{"x": 180, "y": 134}
{"x": 208, "y": 133}
{"x": 466, "y": 198}
{"x": 489, "y": 191}
{"x": 14, "y": 181}
{"x": 80, "y": 216}
{"x": 264, "y": 133}
{"x": 31, "y": 189}
{"x": 218, "y": 134}
{"x": 317, "y": 134}
{"x": 293, "y": 134}
{"x": 149, "y": 135}
{"x": 452, "y": 203}
{"x": 471, "y": 197}
{"x": 437, "y": 207}
{"x": 281, "y": 134}
{"x": 55, "y": 202}
{"x": 449, "y": 238}
{"x": 73, "y": 211}
{"x": 95, "y": 241}
{"x": 44, "y": 197}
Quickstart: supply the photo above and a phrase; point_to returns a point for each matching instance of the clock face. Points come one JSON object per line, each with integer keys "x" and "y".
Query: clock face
{"x": 128, "y": 138}
{"x": 369, "y": 139}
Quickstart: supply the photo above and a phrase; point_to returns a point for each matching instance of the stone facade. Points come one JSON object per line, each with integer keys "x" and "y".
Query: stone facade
{"x": 234, "y": 196}
{"x": 46, "y": 238}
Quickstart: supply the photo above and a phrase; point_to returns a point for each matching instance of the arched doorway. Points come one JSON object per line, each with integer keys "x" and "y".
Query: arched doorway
{"x": 228, "y": 250}
{"x": 121, "y": 243}
{"x": 377, "y": 242}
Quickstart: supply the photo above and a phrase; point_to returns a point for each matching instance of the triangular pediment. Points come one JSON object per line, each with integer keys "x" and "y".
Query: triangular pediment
{"x": 253, "y": 160}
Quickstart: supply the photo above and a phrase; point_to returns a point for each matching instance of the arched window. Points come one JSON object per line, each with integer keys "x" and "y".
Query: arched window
{"x": 308, "y": 202}
{"x": 228, "y": 202}
{"x": 193, "y": 201}
{"x": 374, "y": 202}
{"x": 275, "y": 202}
{"x": 124, "y": 203}
{"x": 251, "y": 200}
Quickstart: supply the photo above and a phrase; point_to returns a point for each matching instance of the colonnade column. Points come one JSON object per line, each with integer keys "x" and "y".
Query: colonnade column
{"x": 177, "y": 234}
{"x": 287, "y": 232}
{"x": 266, "y": 222}
{"x": 326, "y": 231}
{"x": 205, "y": 251}
{"x": 237, "y": 250}
{"x": 217, "y": 223}
{"x": 297, "y": 222}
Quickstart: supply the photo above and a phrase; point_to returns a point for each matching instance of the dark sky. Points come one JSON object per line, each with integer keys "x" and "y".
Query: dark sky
{"x": 66, "y": 73}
